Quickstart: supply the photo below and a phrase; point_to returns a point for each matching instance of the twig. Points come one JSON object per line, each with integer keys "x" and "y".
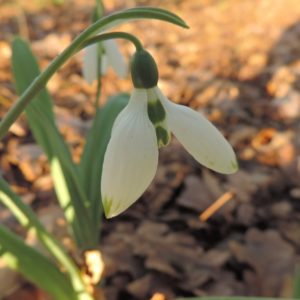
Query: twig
{"x": 212, "y": 209}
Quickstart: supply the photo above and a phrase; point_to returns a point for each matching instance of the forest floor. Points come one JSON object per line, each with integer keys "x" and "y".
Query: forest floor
{"x": 239, "y": 64}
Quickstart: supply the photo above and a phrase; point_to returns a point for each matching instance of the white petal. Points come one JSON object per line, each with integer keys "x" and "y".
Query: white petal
{"x": 131, "y": 158}
{"x": 200, "y": 137}
{"x": 90, "y": 63}
{"x": 115, "y": 57}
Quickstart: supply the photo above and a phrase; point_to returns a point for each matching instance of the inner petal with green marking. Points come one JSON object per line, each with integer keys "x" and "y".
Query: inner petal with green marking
{"x": 157, "y": 116}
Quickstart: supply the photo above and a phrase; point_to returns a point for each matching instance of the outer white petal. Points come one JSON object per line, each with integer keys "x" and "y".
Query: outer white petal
{"x": 90, "y": 64}
{"x": 131, "y": 158}
{"x": 115, "y": 57}
{"x": 200, "y": 137}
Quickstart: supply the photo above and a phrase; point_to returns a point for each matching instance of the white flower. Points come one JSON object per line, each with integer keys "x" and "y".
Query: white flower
{"x": 143, "y": 126}
{"x": 111, "y": 57}
{"x": 131, "y": 157}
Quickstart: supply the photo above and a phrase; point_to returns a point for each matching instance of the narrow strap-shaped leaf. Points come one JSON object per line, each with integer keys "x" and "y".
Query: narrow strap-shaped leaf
{"x": 26, "y": 69}
{"x": 29, "y": 220}
{"x": 93, "y": 154}
{"x": 133, "y": 14}
{"x": 232, "y": 298}
{"x": 70, "y": 192}
{"x": 34, "y": 266}
{"x": 169, "y": 16}
{"x": 297, "y": 283}
{"x": 41, "y": 120}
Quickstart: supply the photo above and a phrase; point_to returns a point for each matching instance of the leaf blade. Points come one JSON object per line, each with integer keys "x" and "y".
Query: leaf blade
{"x": 29, "y": 220}
{"x": 41, "y": 121}
{"x": 33, "y": 265}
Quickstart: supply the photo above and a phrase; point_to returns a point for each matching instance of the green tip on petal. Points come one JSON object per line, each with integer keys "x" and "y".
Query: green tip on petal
{"x": 234, "y": 165}
{"x": 107, "y": 204}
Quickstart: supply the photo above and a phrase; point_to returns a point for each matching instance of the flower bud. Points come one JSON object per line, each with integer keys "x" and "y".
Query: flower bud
{"x": 144, "y": 71}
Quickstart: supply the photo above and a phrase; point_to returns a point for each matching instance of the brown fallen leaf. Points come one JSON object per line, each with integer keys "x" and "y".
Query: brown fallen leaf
{"x": 196, "y": 195}
{"x": 168, "y": 178}
{"x": 29, "y": 158}
{"x": 271, "y": 258}
{"x": 150, "y": 284}
{"x": 274, "y": 148}
{"x": 290, "y": 229}
{"x": 246, "y": 184}
{"x": 225, "y": 284}
{"x": 245, "y": 214}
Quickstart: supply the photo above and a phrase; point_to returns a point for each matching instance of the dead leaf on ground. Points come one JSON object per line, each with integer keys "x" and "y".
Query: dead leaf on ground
{"x": 271, "y": 258}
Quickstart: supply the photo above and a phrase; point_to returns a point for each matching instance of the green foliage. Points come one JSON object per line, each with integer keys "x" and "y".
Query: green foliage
{"x": 23, "y": 258}
{"x": 29, "y": 220}
{"x": 93, "y": 154}
{"x": 297, "y": 283}
{"x": 232, "y": 298}
{"x": 41, "y": 121}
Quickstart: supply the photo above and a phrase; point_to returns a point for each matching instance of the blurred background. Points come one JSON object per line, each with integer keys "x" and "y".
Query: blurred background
{"x": 239, "y": 64}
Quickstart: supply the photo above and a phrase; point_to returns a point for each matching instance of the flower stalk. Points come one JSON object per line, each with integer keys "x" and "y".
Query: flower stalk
{"x": 113, "y": 35}
{"x": 101, "y": 25}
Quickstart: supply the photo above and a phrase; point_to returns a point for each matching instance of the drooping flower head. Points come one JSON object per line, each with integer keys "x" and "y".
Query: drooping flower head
{"x": 145, "y": 125}
{"x": 98, "y": 58}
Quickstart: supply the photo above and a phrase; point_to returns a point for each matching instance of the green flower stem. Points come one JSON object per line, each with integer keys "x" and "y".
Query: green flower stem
{"x": 103, "y": 24}
{"x": 114, "y": 35}
{"x": 107, "y": 36}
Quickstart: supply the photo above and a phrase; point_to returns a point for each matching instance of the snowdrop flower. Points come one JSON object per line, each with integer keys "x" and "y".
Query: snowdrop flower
{"x": 143, "y": 126}
{"x": 111, "y": 56}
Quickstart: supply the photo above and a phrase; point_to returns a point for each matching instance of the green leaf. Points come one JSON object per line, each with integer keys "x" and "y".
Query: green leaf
{"x": 25, "y": 70}
{"x": 29, "y": 220}
{"x": 134, "y": 14}
{"x": 34, "y": 266}
{"x": 58, "y": 2}
{"x": 232, "y": 298}
{"x": 94, "y": 150}
{"x": 41, "y": 121}
{"x": 297, "y": 283}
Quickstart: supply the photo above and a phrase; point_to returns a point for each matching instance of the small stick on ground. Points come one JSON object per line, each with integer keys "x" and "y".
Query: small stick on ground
{"x": 221, "y": 201}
